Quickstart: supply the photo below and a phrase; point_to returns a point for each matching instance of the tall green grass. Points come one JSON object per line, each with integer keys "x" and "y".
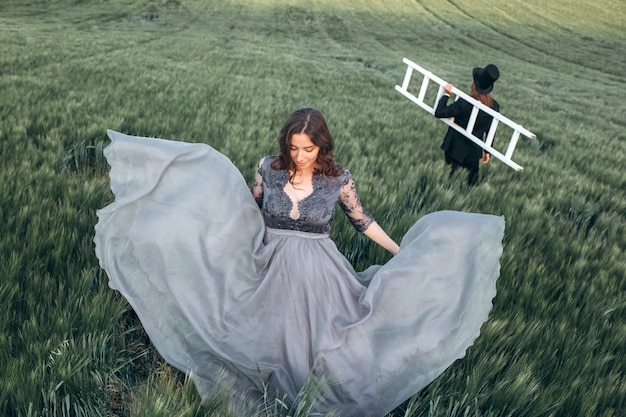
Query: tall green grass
{"x": 228, "y": 73}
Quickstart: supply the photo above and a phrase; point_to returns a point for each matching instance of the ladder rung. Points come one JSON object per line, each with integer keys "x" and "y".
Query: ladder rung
{"x": 512, "y": 144}
{"x": 423, "y": 88}
{"x": 407, "y": 78}
{"x": 472, "y": 120}
{"x": 492, "y": 132}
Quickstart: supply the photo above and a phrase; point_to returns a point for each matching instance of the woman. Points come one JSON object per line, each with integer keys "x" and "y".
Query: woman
{"x": 264, "y": 296}
{"x": 460, "y": 151}
{"x": 306, "y": 158}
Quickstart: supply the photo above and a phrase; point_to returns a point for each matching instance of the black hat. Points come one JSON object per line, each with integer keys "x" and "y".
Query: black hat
{"x": 485, "y": 77}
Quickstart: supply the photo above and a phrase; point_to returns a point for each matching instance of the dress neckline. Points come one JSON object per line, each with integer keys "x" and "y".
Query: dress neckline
{"x": 294, "y": 213}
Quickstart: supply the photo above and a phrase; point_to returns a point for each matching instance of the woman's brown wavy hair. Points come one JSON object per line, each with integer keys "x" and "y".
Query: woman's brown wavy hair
{"x": 483, "y": 98}
{"x": 311, "y": 122}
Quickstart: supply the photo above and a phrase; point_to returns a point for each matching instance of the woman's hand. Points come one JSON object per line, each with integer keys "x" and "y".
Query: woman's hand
{"x": 448, "y": 89}
{"x": 485, "y": 158}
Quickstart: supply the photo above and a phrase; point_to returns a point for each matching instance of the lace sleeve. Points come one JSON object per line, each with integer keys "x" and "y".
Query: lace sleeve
{"x": 351, "y": 205}
{"x": 257, "y": 185}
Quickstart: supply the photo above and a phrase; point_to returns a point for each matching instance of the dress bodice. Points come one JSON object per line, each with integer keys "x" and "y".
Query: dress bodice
{"x": 315, "y": 211}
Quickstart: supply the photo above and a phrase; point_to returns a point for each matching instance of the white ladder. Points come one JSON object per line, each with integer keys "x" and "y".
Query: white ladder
{"x": 497, "y": 117}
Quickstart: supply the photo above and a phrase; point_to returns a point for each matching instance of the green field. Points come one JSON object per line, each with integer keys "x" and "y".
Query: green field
{"x": 228, "y": 73}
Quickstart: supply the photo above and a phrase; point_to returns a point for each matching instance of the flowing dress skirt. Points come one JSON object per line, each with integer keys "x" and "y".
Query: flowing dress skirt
{"x": 219, "y": 294}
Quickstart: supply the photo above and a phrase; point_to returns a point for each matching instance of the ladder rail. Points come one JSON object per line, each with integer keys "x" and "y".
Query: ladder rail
{"x": 477, "y": 105}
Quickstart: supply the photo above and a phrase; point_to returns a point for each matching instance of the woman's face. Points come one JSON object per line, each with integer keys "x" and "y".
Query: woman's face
{"x": 303, "y": 151}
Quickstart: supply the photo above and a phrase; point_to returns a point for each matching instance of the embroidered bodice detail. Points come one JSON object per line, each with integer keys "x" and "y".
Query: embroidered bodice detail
{"x": 316, "y": 211}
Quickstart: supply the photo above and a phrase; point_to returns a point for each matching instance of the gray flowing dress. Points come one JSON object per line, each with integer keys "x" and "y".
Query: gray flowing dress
{"x": 230, "y": 292}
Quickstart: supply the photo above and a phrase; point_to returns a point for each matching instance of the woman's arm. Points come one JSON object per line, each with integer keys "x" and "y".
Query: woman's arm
{"x": 361, "y": 219}
{"x": 378, "y": 235}
{"x": 257, "y": 185}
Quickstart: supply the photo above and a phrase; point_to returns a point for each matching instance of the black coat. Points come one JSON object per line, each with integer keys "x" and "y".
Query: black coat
{"x": 455, "y": 144}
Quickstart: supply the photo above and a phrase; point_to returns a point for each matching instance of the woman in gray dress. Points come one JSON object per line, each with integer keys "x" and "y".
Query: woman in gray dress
{"x": 263, "y": 299}
{"x": 306, "y": 156}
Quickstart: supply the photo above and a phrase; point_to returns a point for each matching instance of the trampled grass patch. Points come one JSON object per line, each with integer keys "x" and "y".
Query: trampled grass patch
{"x": 228, "y": 74}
